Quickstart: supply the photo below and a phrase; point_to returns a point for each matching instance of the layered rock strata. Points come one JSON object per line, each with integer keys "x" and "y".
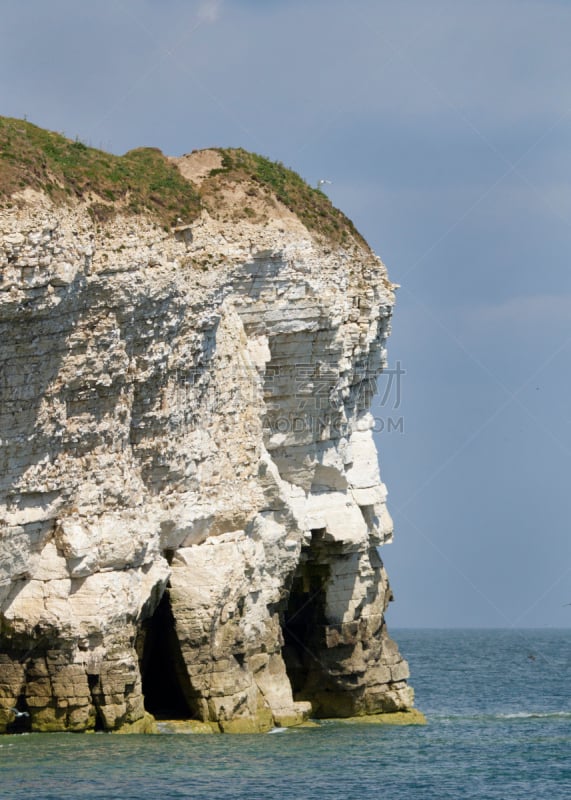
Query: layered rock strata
{"x": 190, "y": 503}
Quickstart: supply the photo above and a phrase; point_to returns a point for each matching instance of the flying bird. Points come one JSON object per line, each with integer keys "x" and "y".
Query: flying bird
{"x": 321, "y": 182}
{"x": 19, "y": 714}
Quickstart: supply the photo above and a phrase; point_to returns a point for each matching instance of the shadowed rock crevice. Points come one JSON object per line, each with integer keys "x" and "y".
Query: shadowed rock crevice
{"x": 166, "y": 687}
{"x": 95, "y": 691}
{"x": 303, "y": 624}
{"x": 22, "y": 722}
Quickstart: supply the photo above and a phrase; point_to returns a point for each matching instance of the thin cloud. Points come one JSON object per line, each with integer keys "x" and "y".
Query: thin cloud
{"x": 209, "y": 11}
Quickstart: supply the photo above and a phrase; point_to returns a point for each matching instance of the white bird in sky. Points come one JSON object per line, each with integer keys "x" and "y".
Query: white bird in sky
{"x": 322, "y": 181}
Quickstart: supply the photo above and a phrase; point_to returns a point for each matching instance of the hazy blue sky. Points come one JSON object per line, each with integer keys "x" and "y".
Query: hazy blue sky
{"x": 445, "y": 128}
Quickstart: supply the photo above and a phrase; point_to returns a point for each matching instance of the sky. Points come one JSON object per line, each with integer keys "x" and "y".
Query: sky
{"x": 444, "y": 128}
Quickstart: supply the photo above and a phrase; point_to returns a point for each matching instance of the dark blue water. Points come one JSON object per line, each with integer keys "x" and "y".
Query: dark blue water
{"x": 499, "y": 710}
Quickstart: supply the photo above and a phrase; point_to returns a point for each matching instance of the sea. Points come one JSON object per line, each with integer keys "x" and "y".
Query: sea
{"x": 498, "y": 704}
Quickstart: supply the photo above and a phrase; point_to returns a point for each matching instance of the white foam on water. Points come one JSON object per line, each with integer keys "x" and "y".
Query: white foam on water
{"x": 536, "y": 715}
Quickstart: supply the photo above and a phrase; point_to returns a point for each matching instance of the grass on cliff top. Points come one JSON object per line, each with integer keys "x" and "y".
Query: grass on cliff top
{"x": 141, "y": 180}
{"x": 144, "y": 180}
{"x": 310, "y": 205}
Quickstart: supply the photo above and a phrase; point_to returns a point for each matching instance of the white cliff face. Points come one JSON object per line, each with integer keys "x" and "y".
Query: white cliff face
{"x": 190, "y": 500}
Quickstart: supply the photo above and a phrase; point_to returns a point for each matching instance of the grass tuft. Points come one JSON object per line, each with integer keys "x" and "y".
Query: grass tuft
{"x": 312, "y": 206}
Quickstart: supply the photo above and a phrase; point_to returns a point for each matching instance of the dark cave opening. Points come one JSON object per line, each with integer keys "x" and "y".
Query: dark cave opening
{"x": 303, "y": 623}
{"x": 93, "y": 681}
{"x": 166, "y": 687}
{"x": 22, "y": 722}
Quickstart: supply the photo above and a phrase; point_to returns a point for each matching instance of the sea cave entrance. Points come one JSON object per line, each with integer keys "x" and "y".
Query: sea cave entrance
{"x": 21, "y": 722}
{"x": 166, "y": 687}
{"x": 304, "y": 621}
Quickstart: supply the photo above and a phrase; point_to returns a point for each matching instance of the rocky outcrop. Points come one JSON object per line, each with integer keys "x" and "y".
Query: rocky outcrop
{"x": 190, "y": 504}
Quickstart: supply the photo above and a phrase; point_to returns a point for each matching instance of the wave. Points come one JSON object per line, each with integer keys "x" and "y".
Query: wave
{"x": 536, "y": 715}
{"x": 500, "y": 716}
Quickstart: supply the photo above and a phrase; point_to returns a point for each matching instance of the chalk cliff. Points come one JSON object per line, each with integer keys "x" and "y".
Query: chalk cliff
{"x": 190, "y": 502}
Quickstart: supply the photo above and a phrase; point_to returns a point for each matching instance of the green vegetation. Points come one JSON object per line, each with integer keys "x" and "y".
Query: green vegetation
{"x": 141, "y": 180}
{"x": 144, "y": 180}
{"x": 312, "y": 206}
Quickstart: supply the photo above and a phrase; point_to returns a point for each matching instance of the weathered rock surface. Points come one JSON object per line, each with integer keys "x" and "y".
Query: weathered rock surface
{"x": 190, "y": 501}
